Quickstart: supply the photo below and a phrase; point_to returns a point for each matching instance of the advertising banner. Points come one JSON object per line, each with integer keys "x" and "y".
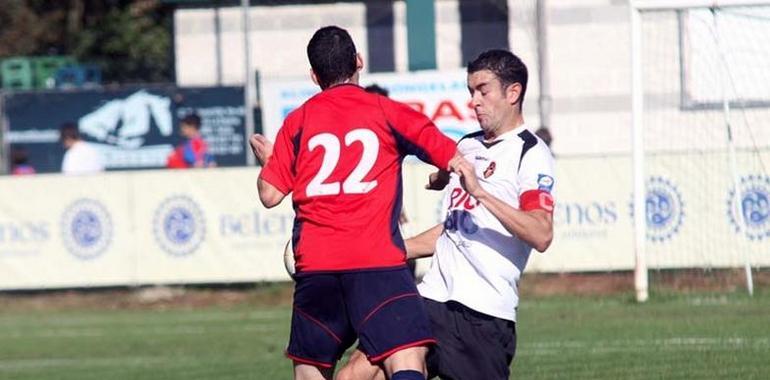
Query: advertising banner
{"x": 133, "y": 128}
{"x": 442, "y": 96}
{"x": 207, "y": 225}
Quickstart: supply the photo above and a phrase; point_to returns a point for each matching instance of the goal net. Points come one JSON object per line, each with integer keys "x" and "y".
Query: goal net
{"x": 701, "y": 143}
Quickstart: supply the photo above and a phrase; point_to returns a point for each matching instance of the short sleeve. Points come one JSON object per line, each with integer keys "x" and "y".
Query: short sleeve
{"x": 536, "y": 179}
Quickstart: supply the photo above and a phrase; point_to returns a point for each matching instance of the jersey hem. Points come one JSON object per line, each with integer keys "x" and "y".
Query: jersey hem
{"x": 351, "y": 270}
{"x": 507, "y": 316}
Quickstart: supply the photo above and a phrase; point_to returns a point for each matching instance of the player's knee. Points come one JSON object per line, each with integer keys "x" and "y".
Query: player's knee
{"x": 345, "y": 373}
{"x": 307, "y": 372}
{"x": 359, "y": 368}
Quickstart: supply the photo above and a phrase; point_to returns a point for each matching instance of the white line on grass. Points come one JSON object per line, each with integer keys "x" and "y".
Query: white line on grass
{"x": 642, "y": 345}
{"x": 131, "y": 330}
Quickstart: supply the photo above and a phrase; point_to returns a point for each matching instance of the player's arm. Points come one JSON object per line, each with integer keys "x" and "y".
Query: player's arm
{"x": 424, "y": 244}
{"x": 262, "y": 148}
{"x": 417, "y": 135}
{"x": 276, "y": 179}
{"x": 535, "y": 227}
{"x": 533, "y": 223}
{"x": 269, "y": 195}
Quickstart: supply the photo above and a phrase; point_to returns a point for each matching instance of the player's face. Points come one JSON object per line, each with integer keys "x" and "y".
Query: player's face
{"x": 187, "y": 131}
{"x": 490, "y": 101}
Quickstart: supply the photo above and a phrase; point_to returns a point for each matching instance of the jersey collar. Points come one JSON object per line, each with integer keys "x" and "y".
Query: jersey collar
{"x": 504, "y": 136}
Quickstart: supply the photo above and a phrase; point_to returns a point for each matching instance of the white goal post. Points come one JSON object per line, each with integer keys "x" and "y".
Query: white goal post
{"x": 637, "y": 9}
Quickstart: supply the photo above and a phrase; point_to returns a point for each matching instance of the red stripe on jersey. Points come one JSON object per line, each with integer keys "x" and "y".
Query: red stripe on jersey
{"x": 320, "y": 324}
{"x": 308, "y": 361}
{"x": 386, "y": 354}
{"x": 380, "y": 306}
{"x": 536, "y": 200}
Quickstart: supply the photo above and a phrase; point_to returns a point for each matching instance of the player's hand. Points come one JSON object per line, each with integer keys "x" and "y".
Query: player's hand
{"x": 468, "y": 178}
{"x": 438, "y": 180}
{"x": 261, "y": 147}
{"x": 457, "y": 158}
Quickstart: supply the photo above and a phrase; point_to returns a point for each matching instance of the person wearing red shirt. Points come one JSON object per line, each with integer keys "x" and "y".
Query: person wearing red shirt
{"x": 194, "y": 152}
{"x": 20, "y": 162}
{"x": 340, "y": 155}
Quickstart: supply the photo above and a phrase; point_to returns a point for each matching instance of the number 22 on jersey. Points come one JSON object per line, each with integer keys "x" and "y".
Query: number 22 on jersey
{"x": 354, "y": 183}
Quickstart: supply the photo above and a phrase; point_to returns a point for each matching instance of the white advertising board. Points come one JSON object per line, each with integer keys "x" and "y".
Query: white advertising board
{"x": 207, "y": 226}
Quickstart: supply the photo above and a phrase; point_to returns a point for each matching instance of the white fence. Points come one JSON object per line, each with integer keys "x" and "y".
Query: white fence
{"x": 207, "y": 226}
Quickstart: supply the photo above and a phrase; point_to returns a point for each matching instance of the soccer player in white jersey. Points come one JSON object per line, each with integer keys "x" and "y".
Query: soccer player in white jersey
{"x": 497, "y": 210}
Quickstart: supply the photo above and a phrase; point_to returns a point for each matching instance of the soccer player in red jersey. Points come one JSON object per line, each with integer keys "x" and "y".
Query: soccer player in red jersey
{"x": 340, "y": 155}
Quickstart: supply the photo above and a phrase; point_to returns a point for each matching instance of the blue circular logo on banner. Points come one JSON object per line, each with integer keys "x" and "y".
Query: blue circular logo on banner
{"x": 754, "y": 198}
{"x": 179, "y": 226}
{"x": 664, "y": 209}
{"x": 86, "y": 228}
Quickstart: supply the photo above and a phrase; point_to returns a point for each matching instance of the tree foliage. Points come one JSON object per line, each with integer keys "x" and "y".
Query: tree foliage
{"x": 129, "y": 39}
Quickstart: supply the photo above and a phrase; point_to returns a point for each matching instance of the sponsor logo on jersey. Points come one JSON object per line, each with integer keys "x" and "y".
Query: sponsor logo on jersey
{"x": 86, "y": 229}
{"x": 179, "y": 226}
{"x": 490, "y": 170}
{"x": 754, "y": 205}
{"x": 545, "y": 182}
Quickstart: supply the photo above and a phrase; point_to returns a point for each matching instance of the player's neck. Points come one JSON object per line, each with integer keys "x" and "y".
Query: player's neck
{"x": 516, "y": 122}
{"x": 351, "y": 80}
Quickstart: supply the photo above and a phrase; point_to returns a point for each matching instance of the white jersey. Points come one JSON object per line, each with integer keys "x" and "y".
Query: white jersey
{"x": 82, "y": 158}
{"x": 477, "y": 262}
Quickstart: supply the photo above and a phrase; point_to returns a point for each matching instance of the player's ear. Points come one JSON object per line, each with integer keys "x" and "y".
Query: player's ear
{"x": 359, "y": 62}
{"x": 513, "y": 93}
{"x": 314, "y": 77}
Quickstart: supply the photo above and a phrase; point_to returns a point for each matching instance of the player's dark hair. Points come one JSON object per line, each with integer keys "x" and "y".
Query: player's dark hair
{"x": 69, "y": 131}
{"x": 508, "y": 68}
{"x": 375, "y": 89}
{"x": 193, "y": 120}
{"x": 19, "y": 155}
{"x": 332, "y": 55}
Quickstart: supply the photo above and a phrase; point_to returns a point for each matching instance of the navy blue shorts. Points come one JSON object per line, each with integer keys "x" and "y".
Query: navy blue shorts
{"x": 380, "y": 308}
{"x": 471, "y": 345}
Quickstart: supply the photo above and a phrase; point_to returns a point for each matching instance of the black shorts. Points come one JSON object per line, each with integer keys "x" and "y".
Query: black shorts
{"x": 381, "y": 308}
{"x": 471, "y": 345}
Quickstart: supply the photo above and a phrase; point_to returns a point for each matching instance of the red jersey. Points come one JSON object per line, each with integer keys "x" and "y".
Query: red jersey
{"x": 340, "y": 154}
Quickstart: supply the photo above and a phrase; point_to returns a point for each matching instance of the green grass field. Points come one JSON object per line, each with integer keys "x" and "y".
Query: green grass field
{"x": 707, "y": 337}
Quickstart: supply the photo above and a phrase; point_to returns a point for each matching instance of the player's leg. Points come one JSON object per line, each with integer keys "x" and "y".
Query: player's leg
{"x": 358, "y": 367}
{"x": 406, "y": 364}
{"x": 320, "y": 329}
{"x": 311, "y": 372}
{"x": 389, "y": 316}
{"x": 473, "y": 345}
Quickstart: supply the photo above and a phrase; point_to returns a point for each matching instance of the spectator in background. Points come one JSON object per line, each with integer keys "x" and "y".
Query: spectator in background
{"x": 80, "y": 157}
{"x": 545, "y": 134}
{"x": 194, "y": 152}
{"x": 19, "y": 162}
{"x": 375, "y": 89}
